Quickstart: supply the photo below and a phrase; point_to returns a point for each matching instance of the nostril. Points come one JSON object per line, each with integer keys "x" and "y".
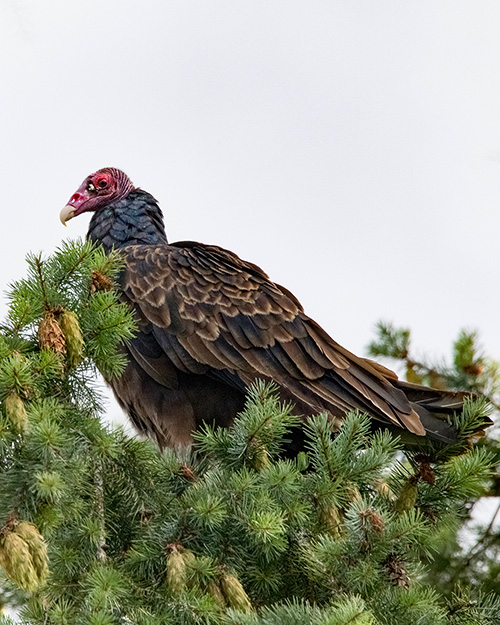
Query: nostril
{"x": 75, "y": 198}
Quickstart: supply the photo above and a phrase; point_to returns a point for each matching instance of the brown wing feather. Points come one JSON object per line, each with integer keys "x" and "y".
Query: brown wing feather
{"x": 210, "y": 309}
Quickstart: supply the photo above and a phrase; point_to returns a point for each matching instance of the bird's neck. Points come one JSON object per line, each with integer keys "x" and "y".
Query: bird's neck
{"x": 133, "y": 220}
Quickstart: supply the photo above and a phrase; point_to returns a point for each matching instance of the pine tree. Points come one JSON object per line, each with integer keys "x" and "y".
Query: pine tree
{"x": 99, "y": 527}
{"x": 468, "y": 552}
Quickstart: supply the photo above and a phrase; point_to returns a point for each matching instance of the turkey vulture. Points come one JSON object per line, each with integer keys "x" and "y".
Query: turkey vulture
{"x": 211, "y": 323}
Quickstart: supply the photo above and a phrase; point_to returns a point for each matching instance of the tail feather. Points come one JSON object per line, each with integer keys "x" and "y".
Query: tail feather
{"x": 434, "y": 400}
{"x": 435, "y": 407}
{"x": 436, "y": 429}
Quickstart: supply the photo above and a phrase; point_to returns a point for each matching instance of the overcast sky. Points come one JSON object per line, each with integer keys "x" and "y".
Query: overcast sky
{"x": 351, "y": 148}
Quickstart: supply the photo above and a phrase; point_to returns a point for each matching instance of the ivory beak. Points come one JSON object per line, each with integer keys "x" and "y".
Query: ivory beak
{"x": 67, "y": 213}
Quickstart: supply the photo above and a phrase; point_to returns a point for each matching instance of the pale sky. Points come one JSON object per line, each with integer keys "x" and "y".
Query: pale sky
{"x": 350, "y": 148}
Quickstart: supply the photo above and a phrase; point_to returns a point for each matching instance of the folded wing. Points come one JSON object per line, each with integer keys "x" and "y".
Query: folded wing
{"x": 204, "y": 311}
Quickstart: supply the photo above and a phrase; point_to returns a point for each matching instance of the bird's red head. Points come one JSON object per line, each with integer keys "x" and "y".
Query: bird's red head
{"x": 97, "y": 190}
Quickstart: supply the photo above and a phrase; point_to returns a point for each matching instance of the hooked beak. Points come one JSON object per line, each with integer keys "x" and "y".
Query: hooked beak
{"x": 77, "y": 204}
{"x": 67, "y": 213}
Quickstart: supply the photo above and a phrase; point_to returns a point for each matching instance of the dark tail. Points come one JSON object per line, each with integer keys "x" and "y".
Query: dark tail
{"x": 435, "y": 408}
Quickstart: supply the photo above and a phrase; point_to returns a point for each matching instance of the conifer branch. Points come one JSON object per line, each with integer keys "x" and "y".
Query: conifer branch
{"x": 39, "y": 263}
{"x": 232, "y": 533}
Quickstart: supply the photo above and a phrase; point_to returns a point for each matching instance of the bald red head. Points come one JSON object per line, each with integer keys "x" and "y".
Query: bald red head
{"x": 97, "y": 190}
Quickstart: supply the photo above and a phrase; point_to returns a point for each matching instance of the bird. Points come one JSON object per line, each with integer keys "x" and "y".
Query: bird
{"x": 210, "y": 324}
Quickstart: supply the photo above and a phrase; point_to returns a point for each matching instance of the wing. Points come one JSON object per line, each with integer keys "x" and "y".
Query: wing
{"x": 209, "y": 312}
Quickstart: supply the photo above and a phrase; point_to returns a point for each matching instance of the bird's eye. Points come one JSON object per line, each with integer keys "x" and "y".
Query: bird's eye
{"x": 102, "y": 183}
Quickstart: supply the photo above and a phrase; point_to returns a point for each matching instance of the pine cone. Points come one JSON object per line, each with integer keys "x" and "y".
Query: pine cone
{"x": 331, "y": 519}
{"x": 50, "y": 334}
{"x": 397, "y": 572}
{"x": 426, "y": 471}
{"x": 37, "y": 547}
{"x": 407, "y": 496}
{"x": 100, "y": 282}
{"x": 15, "y": 557}
{"x": 475, "y": 368}
{"x": 188, "y": 473}
{"x": 214, "y": 589}
{"x": 73, "y": 335}
{"x": 376, "y": 520}
{"x": 15, "y": 412}
{"x": 176, "y": 569}
{"x": 234, "y": 593}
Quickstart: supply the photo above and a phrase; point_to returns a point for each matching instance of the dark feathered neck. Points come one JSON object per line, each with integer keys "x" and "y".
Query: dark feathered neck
{"x": 134, "y": 220}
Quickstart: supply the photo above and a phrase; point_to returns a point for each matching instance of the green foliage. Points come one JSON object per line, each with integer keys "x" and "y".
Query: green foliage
{"x": 470, "y": 369}
{"x": 261, "y": 430}
{"x": 391, "y": 342}
{"x": 231, "y": 532}
{"x": 468, "y": 551}
{"x": 68, "y": 281}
